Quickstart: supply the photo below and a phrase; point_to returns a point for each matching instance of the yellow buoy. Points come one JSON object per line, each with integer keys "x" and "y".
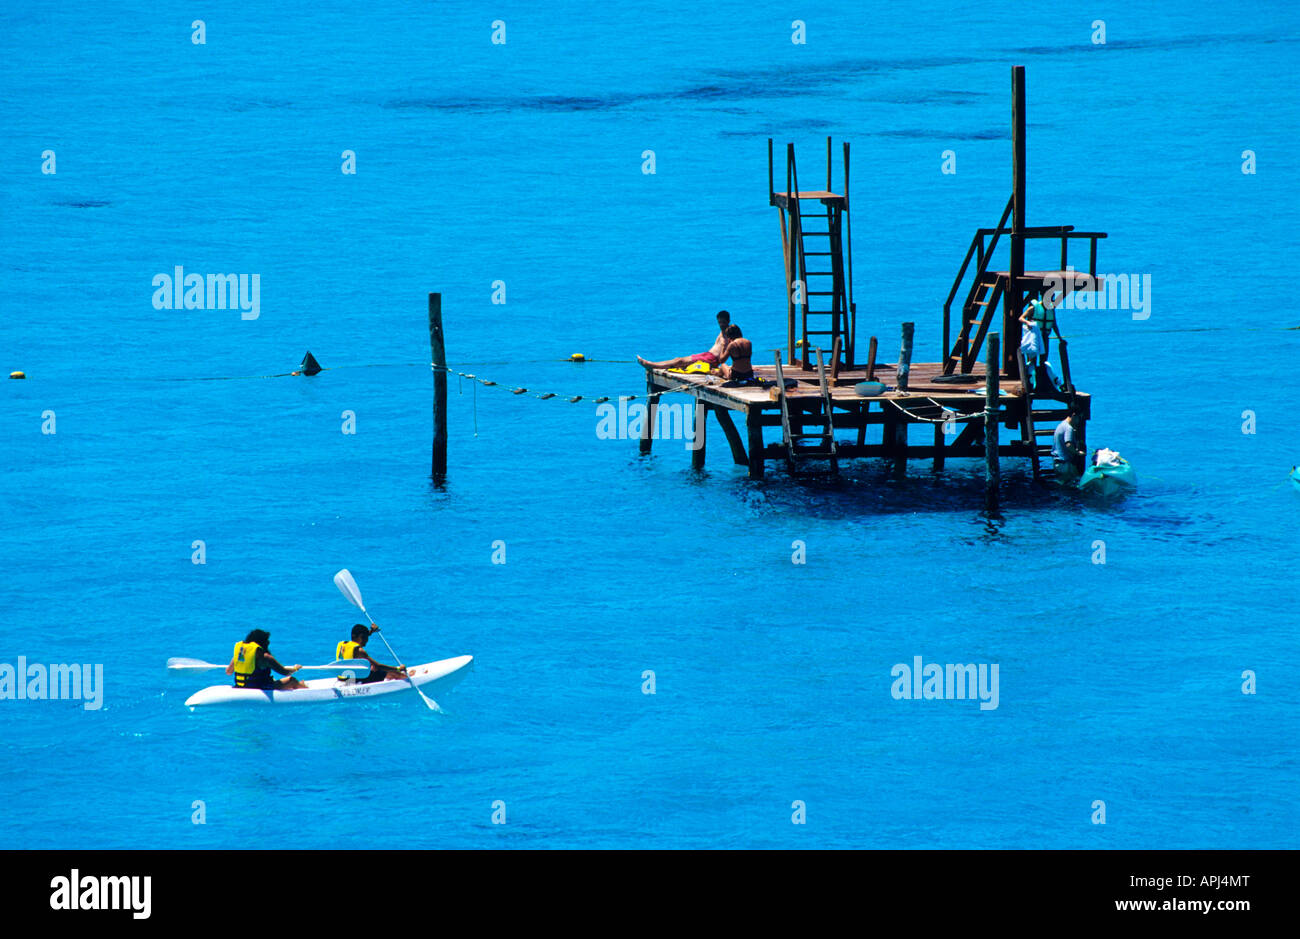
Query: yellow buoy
{"x": 17, "y": 375}
{"x": 577, "y": 357}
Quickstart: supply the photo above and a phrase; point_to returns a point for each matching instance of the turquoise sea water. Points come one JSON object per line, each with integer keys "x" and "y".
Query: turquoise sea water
{"x": 521, "y": 162}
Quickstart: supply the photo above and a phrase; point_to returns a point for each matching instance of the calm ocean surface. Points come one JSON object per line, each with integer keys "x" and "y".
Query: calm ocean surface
{"x": 522, "y": 163}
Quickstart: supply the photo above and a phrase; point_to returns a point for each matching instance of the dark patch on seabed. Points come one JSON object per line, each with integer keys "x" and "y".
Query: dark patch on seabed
{"x": 943, "y": 134}
{"x": 785, "y": 81}
{"x": 84, "y": 203}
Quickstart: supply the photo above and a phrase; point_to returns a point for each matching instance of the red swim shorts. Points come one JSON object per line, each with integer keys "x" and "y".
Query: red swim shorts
{"x": 704, "y": 357}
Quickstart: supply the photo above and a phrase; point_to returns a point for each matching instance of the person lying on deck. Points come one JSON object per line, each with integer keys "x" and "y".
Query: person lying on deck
{"x": 356, "y": 649}
{"x": 713, "y": 357}
{"x": 738, "y": 349}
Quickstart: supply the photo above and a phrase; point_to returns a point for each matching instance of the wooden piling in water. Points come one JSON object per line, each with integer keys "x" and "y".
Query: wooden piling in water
{"x": 754, "y": 427}
{"x": 651, "y": 411}
{"x": 439, "y": 350}
{"x": 701, "y": 415}
{"x": 992, "y": 364}
{"x": 905, "y": 356}
{"x": 738, "y": 455}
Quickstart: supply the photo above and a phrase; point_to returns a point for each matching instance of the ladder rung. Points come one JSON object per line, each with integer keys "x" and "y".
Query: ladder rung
{"x": 817, "y": 234}
{"x": 818, "y": 273}
{"x": 819, "y": 254}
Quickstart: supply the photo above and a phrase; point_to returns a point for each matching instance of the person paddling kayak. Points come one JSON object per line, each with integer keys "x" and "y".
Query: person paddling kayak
{"x": 356, "y": 649}
{"x": 252, "y": 664}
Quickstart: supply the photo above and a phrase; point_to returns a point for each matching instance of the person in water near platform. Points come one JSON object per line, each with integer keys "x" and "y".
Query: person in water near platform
{"x": 252, "y": 664}
{"x": 713, "y": 357}
{"x": 356, "y": 649}
{"x": 738, "y": 349}
{"x": 1065, "y": 449}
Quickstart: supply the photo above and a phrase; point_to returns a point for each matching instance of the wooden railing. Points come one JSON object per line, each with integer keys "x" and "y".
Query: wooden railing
{"x": 982, "y": 253}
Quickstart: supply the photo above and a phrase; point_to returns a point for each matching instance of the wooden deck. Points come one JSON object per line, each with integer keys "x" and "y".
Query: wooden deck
{"x": 855, "y": 417}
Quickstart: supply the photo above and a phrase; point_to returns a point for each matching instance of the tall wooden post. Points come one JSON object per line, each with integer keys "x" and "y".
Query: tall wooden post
{"x": 992, "y": 365}
{"x": 1016, "y": 271}
{"x": 754, "y": 428}
{"x": 651, "y": 412}
{"x": 905, "y": 357}
{"x": 700, "y": 414}
{"x": 439, "y": 388}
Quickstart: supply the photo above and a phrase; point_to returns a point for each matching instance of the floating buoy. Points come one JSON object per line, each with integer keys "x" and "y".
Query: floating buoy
{"x": 577, "y": 357}
{"x": 309, "y": 365}
{"x": 17, "y": 374}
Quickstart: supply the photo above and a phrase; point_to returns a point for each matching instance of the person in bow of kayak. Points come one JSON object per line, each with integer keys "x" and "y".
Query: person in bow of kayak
{"x": 252, "y": 664}
{"x": 356, "y": 649}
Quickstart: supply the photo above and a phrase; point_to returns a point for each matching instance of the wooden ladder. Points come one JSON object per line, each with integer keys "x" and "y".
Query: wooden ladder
{"x": 818, "y": 262}
{"x": 797, "y": 445}
{"x": 978, "y": 314}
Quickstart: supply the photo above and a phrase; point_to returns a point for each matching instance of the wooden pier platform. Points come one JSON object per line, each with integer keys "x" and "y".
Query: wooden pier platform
{"x": 996, "y": 299}
{"x": 864, "y": 426}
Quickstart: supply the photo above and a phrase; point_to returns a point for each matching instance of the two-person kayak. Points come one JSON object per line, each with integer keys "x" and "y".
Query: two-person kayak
{"x": 431, "y": 677}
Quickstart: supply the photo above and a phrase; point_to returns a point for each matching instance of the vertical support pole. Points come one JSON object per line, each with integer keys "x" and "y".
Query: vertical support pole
{"x": 1016, "y": 272}
{"x": 938, "y": 446}
{"x": 852, "y": 348}
{"x": 829, "y": 187}
{"x": 754, "y": 427}
{"x": 871, "y": 359}
{"x": 439, "y": 350}
{"x": 905, "y": 356}
{"x": 651, "y": 412}
{"x": 993, "y": 362}
{"x": 701, "y": 416}
{"x": 898, "y": 440}
{"x": 792, "y": 257}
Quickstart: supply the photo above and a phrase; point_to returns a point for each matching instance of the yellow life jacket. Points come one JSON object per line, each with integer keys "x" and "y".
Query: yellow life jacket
{"x": 347, "y": 650}
{"x": 245, "y": 657}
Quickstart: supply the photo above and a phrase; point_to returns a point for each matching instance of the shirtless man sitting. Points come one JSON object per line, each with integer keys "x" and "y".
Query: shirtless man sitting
{"x": 714, "y": 356}
{"x": 738, "y": 350}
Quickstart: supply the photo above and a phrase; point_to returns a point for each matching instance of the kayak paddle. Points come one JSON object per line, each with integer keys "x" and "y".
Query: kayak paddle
{"x": 360, "y": 666}
{"x": 348, "y": 587}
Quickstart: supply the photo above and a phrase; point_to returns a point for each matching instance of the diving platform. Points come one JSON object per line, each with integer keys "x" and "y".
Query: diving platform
{"x": 829, "y": 403}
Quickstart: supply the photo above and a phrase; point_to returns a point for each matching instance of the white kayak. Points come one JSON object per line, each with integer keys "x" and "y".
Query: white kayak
{"x": 432, "y": 677}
